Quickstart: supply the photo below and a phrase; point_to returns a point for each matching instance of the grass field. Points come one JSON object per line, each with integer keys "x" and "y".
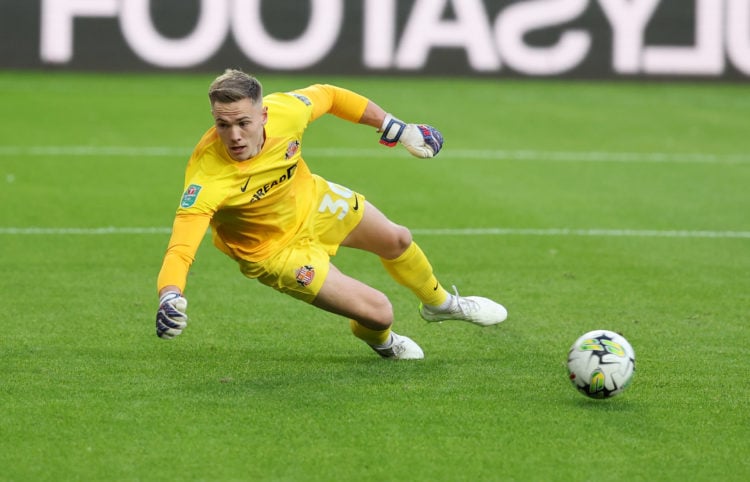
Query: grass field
{"x": 577, "y": 205}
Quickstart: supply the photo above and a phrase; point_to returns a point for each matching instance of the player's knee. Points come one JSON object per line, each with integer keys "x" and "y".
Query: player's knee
{"x": 400, "y": 241}
{"x": 380, "y": 313}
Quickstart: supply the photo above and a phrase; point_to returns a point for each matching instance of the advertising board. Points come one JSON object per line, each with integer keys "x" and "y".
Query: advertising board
{"x": 703, "y": 39}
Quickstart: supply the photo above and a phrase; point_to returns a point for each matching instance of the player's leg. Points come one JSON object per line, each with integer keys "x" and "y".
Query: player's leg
{"x": 349, "y": 297}
{"x": 408, "y": 265}
{"x": 400, "y": 255}
{"x": 370, "y": 314}
{"x": 345, "y": 218}
{"x": 303, "y": 270}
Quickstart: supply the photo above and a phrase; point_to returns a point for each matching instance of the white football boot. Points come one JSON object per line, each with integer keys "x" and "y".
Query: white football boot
{"x": 474, "y": 309}
{"x": 400, "y": 348}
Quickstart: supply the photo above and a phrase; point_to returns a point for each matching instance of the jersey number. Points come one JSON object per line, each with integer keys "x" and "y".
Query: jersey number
{"x": 328, "y": 203}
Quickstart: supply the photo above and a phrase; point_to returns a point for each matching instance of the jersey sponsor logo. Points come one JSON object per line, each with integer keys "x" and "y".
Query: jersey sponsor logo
{"x": 305, "y": 275}
{"x": 301, "y": 97}
{"x": 190, "y": 195}
{"x": 263, "y": 190}
{"x": 291, "y": 149}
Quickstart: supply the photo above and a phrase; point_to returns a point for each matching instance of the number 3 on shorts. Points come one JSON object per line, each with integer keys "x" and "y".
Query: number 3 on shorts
{"x": 328, "y": 203}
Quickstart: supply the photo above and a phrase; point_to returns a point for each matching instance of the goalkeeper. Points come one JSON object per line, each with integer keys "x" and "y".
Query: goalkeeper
{"x": 247, "y": 180}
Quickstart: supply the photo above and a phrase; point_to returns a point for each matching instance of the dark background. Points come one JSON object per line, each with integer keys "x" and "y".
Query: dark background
{"x": 100, "y": 46}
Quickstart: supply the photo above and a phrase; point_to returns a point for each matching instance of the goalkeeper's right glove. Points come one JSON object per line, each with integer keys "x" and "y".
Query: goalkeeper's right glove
{"x": 420, "y": 140}
{"x": 171, "y": 318}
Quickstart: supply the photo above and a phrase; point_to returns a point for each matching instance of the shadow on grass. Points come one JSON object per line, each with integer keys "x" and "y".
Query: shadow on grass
{"x": 618, "y": 404}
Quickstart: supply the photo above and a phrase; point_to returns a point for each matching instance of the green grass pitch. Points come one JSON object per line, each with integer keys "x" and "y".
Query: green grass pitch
{"x": 579, "y": 206}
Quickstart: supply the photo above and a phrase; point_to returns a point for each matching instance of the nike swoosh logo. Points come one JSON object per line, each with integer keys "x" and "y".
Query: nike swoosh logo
{"x": 246, "y": 182}
{"x": 356, "y": 203}
{"x": 436, "y": 286}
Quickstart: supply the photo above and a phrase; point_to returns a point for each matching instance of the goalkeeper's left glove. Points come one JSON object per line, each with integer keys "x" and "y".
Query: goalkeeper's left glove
{"x": 420, "y": 140}
{"x": 171, "y": 318}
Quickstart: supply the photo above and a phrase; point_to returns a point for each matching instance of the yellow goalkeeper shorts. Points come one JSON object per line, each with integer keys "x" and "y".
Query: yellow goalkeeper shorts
{"x": 300, "y": 268}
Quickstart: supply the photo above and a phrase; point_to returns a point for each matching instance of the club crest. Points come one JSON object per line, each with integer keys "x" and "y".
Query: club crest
{"x": 305, "y": 275}
{"x": 291, "y": 149}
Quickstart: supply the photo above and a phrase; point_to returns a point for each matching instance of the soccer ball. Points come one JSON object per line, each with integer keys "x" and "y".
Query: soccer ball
{"x": 601, "y": 364}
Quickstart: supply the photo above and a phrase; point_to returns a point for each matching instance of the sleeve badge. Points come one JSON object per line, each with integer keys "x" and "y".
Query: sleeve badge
{"x": 302, "y": 98}
{"x": 190, "y": 195}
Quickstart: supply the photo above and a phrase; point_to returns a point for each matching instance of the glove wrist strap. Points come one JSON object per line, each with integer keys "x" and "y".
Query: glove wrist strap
{"x": 169, "y": 295}
{"x": 392, "y": 129}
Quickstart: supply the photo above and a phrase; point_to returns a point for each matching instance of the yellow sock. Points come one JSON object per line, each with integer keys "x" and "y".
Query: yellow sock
{"x": 370, "y": 336}
{"x": 413, "y": 270}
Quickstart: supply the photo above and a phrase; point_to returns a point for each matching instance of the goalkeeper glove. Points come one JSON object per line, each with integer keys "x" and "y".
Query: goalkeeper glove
{"x": 419, "y": 139}
{"x": 171, "y": 318}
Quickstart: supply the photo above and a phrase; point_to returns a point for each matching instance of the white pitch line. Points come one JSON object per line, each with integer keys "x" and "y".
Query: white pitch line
{"x": 561, "y": 232}
{"x": 118, "y": 151}
{"x": 336, "y": 152}
{"x": 37, "y": 230}
{"x": 613, "y": 233}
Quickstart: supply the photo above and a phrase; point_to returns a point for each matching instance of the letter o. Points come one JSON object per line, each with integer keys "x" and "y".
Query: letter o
{"x": 151, "y": 46}
{"x": 317, "y": 40}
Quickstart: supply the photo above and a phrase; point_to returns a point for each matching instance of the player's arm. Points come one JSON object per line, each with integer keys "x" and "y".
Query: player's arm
{"x": 188, "y": 231}
{"x": 420, "y": 140}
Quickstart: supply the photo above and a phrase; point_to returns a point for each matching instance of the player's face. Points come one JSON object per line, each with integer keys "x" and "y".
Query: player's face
{"x": 240, "y": 127}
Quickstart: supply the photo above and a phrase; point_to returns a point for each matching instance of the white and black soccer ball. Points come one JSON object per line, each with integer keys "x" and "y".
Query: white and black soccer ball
{"x": 601, "y": 364}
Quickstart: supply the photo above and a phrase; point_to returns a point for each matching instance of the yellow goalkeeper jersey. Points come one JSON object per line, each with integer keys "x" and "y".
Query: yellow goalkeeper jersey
{"x": 258, "y": 205}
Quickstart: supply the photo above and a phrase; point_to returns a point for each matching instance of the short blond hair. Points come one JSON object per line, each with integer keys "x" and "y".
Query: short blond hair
{"x": 234, "y": 85}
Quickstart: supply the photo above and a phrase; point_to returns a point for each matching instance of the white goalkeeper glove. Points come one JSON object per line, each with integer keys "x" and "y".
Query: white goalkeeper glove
{"x": 171, "y": 318}
{"x": 420, "y": 140}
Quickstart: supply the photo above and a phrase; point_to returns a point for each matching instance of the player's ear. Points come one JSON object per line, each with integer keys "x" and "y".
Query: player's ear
{"x": 265, "y": 114}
